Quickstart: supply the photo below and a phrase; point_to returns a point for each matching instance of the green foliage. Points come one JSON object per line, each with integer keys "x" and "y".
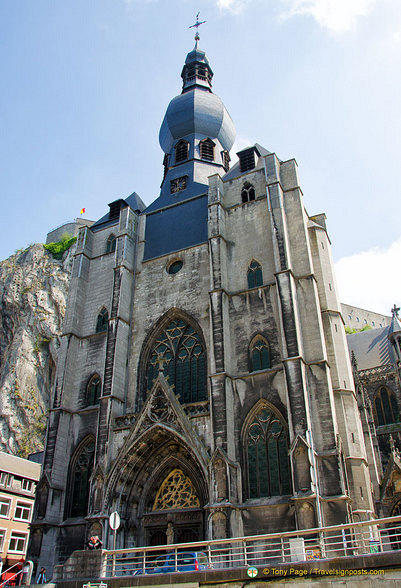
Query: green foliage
{"x": 351, "y": 330}
{"x": 58, "y": 248}
{"x": 33, "y": 424}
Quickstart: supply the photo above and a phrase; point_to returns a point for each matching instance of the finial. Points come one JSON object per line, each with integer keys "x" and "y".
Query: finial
{"x": 395, "y": 310}
{"x": 197, "y": 25}
{"x": 161, "y": 361}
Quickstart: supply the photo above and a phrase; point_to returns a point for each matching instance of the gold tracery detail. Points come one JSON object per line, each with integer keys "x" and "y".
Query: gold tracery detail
{"x": 177, "y": 491}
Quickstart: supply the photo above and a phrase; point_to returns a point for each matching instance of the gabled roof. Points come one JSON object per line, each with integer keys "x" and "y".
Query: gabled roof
{"x": 133, "y": 201}
{"x": 235, "y": 170}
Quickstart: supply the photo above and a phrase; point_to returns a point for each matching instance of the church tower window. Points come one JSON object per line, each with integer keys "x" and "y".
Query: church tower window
{"x": 268, "y": 464}
{"x": 259, "y": 354}
{"x": 206, "y": 148}
{"x": 180, "y": 350}
{"x": 247, "y": 192}
{"x": 93, "y": 390}
{"x": 386, "y": 407}
{"x": 82, "y": 465}
{"x": 226, "y": 160}
{"x": 111, "y": 244}
{"x": 246, "y": 160}
{"x": 102, "y": 322}
{"x": 181, "y": 151}
{"x": 255, "y": 276}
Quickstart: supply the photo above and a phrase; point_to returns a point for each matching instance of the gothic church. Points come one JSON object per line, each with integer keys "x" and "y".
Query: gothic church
{"x": 203, "y": 388}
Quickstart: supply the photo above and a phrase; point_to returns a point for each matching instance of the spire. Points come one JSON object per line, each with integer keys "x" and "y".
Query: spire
{"x": 196, "y": 71}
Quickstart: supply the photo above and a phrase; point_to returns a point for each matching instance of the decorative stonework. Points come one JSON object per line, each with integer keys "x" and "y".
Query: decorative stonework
{"x": 177, "y": 491}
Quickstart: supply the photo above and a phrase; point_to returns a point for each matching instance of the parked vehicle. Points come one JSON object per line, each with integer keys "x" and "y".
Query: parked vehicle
{"x": 187, "y": 561}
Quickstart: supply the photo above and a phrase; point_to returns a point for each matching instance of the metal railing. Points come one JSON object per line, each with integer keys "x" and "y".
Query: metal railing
{"x": 354, "y": 539}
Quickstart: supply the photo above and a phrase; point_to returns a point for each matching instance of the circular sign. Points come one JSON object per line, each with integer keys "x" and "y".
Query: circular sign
{"x": 252, "y": 572}
{"x": 114, "y": 520}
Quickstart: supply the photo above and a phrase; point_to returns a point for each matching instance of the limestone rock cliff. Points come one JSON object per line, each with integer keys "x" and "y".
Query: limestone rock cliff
{"x": 33, "y": 293}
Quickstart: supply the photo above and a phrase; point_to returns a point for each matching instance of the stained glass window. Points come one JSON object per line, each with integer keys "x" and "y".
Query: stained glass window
{"x": 259, "y": 354}
{"x": 386, "y": 407}
{"x": 177, "y": 491}
{"x": 255, "y": 277}
{"x": 180, "y": 350}
{"x": 267, "y": 456}
{"x": 80, "y": 477}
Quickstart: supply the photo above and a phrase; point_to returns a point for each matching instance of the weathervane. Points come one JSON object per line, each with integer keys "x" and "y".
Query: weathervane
{"x": 197, "y": 25}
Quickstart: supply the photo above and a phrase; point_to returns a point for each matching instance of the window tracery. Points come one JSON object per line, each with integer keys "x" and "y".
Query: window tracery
{"x": 259, "y": 354}
{"x": 176, "y": 491}
{"x": 80, "y": 479}
{"x": 180, "y": 350}
{"x": 247, "y": 192}
{"x": 268, "y": 464}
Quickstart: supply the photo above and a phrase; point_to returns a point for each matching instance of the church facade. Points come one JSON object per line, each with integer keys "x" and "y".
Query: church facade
{"x": 204, "y": 388}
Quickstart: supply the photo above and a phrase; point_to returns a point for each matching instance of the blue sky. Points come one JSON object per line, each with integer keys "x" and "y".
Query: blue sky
{"x": 86, "y": 85}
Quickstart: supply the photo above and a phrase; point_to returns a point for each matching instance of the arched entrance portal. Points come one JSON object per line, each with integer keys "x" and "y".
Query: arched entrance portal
{"x": 175, "y": 514}
{"x": 160, "y": 489}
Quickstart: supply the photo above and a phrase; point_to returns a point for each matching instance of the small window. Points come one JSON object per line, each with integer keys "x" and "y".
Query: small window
{"x": 259, "y": 354}
{"x": 26, "y": 485}
{"x": 178, "y": 184}
{"x": 247, "y": 193}
{"x": 226, "y": 160}
{"x": 22, "y": 511}
{"x": 175, "y": 266}
{"x": 3, "y": 478}
{"x": 206, "y": 148}
{"x": 2, "y": 536}
{"x": 181, "y": 151}
{"x": 111, "y": 244}
{"x": 17, "y": 542}
{"x": 255, "y": 277}
{"x": 93, "y": 390}
{"x": 4, "y": 507}
{"x": 102, "y": 321}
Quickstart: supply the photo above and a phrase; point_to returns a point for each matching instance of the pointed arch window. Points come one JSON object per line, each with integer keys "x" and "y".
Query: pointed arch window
{"x": 180, "y": 350}
{"x": 268, "y": 465}
{"x": 206, "y": 148}
{"x": 102, "y": 322}
{"x": 247, "y": 192}
{"x": 177, "y": 491}
{"x": 111, "y": 244}
{"x": 255, "y": 276}
{"x": 93, "y": 390}
{"x": 81, "y": 470}
{"x": 386, "y": 408}
{"x": 181, "y": 151}
{"x": 259, "y": 354}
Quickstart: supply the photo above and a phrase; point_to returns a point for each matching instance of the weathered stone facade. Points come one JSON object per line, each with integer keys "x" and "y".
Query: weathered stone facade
{"x": 217, "y": 399}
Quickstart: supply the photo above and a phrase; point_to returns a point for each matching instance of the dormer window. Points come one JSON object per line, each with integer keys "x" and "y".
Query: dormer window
{"x": 206, "y": 148}
{"x": 178, "y": 184}
{"x": 181, "y": 151}
{"x": 246, "y": 160}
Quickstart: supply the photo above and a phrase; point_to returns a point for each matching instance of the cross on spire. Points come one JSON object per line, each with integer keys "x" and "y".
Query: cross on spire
{"x": 197, "y": 25}
{"x": 395, "y": 310}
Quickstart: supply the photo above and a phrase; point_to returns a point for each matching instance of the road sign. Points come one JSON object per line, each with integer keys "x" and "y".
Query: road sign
{"x": 114, "y": 520}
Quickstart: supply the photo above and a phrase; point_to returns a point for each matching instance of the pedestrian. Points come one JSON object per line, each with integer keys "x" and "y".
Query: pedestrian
{"x": 41, "y": 579}
{"x": 94, "y": 543}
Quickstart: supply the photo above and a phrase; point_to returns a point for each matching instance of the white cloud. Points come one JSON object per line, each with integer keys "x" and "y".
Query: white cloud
{"x": 371, "y": 279}
{"x": 335, "y": 15}
{"x": 234, "y": 6}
